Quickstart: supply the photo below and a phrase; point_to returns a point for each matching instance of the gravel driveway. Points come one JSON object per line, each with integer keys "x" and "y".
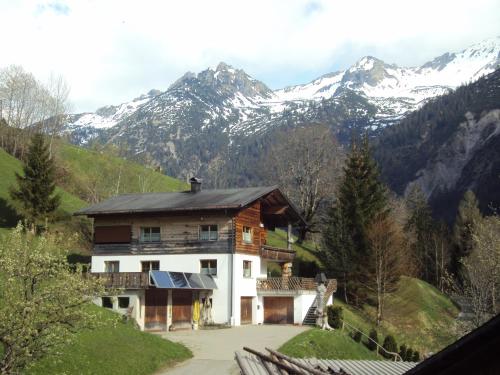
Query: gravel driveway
{"x": 213, "y": 350}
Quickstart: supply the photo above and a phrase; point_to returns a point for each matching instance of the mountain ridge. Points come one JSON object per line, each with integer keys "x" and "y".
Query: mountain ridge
{"x": 203, "y": 118}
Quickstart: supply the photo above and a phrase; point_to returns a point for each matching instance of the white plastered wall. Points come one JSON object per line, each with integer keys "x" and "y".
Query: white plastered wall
{"x": 245, "y": 286}
{"x": 180, "y": 263}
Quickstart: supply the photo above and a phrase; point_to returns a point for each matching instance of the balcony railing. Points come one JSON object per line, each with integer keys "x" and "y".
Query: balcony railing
{"x": 128, "y": 280}
{"x": 286, "y": 283}
{"x": 277, "y": 254}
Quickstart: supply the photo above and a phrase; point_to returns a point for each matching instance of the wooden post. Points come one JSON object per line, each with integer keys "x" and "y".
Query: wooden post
{"x": 289, "y": 237}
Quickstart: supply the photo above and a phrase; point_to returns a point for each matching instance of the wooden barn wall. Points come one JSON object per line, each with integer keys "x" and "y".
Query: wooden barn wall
{"x": 249, "y": 217}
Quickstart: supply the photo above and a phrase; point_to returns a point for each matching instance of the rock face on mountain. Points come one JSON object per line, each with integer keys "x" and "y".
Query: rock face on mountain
{"x": 447, "y": 147}
{"x": 204, "y": 121}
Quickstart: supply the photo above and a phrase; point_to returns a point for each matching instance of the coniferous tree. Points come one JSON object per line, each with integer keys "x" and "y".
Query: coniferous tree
{"x": 338, "y": 252}
{"x": 35, "y": 190}
{"x": 361, "y": 199}
{"x": 467, "y": 218}
{"x": 420, "y": 224}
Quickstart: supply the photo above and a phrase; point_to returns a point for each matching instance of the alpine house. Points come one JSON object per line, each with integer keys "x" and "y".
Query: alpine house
{"x": 200, "y": 257}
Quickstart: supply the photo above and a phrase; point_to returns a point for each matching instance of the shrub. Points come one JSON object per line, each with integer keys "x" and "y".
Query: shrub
{"x": 356, "y": 336}
{"x": 416, "y": 356}
{"x": 371, "y": 344}
{"x": 409, "y": 354}
{"x": 390, "y": 345}
{"x": 335, "y": 316}
{"x": 402, "y": 352}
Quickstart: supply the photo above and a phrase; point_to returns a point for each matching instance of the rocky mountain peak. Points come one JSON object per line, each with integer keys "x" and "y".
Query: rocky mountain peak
{"x": 224, "y": 80}
{"x": 368, "y": 70}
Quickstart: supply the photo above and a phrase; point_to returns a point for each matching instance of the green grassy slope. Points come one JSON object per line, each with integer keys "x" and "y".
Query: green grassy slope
{"x": 113, "y": 348}
{"x": 82, "y": 175}
{"x": 9, "y": 166}
{"x": 88, "y": 172}
{"x": 417, "y": 315}
{"x": 326, "y": 345}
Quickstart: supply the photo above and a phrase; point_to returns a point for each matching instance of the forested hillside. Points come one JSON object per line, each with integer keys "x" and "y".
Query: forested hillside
{"x": 450, "y": 145}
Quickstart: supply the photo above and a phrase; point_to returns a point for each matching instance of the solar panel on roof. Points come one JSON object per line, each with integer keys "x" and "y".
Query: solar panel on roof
{"x": 208, "y": 281}
{"x": 179, "y": 280}
{"x": 194, "y": 280}
{"x": 161, "y": 279}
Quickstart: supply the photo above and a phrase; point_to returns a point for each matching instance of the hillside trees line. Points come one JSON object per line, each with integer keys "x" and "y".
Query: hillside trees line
{"x": 370, "y": 238}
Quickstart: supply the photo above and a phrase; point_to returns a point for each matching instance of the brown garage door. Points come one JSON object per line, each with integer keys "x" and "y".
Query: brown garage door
{"x": 246, "y": 310}
{"x": 156, "y": 309}
{"x": 278, "y": 310}
{"x": 182, "y": 301}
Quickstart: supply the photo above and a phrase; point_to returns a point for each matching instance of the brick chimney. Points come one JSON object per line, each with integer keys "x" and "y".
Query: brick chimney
{"x": 195, "y": 184}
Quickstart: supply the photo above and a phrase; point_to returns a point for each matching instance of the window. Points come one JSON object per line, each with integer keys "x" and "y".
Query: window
{"x": 113, "y": 266}
{"x": 247, "y": 234}
{"x": 123, "y": 302}
{"x": 150, "y": 234}
{"x": 107, "y": 302}
{"x": 150, "y": 265}
{"x": 208, "y": 267}
{"x": 247, "y": 268}
{"x": 209, "y": 233}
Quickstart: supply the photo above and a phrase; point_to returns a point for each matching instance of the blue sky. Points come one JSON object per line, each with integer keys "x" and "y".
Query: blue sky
{"x": 111, "y": 51}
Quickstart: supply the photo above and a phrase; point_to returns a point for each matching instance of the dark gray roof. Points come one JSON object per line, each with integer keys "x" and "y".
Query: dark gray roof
{"x": 179, "y": 201}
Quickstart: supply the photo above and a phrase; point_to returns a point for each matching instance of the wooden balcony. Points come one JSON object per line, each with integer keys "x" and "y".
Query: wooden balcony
{"x": 175, "y": 246}
{"x": 286, "y": 283}
{"x": 277, "y": 254}
{"x": 125, "y": 280}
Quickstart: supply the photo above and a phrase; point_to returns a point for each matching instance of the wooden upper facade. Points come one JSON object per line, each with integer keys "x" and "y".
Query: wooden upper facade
{"x": 228, "y": 229}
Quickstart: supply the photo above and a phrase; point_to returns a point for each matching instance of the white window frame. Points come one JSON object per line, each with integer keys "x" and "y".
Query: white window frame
{"x": 213, "y": 232}
{"x": 212, "y": 267}
{"x": 247, "y": 234}
{"x": 249, "y": 269}
{"x": 108, "y": 263}
{"x": 147, "y": 235}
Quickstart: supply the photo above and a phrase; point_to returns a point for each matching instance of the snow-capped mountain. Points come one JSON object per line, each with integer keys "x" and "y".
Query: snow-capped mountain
{"x": 189, "y": 127}
{"x": 85, "y": 126}
{"x": 397, "y": 90}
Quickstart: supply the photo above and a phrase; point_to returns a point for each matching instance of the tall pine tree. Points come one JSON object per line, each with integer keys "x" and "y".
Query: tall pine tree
{"x": 419, "y": 226}
{"x": 36, "y": 187}
{"x": 361, "y": 199}
{"x": 337, "y": 254}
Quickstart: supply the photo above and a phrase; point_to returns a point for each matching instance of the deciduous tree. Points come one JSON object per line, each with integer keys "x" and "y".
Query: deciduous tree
{"x": 386, "y": 260}
{"x": 468, "y": 216}
{"x": 306, "y": 162}
{"x": 42, "y": 299}
{"x": 481, "y": 283}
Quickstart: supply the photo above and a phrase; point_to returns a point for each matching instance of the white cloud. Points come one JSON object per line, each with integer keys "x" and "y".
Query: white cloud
{"x": 113, "y": 50}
